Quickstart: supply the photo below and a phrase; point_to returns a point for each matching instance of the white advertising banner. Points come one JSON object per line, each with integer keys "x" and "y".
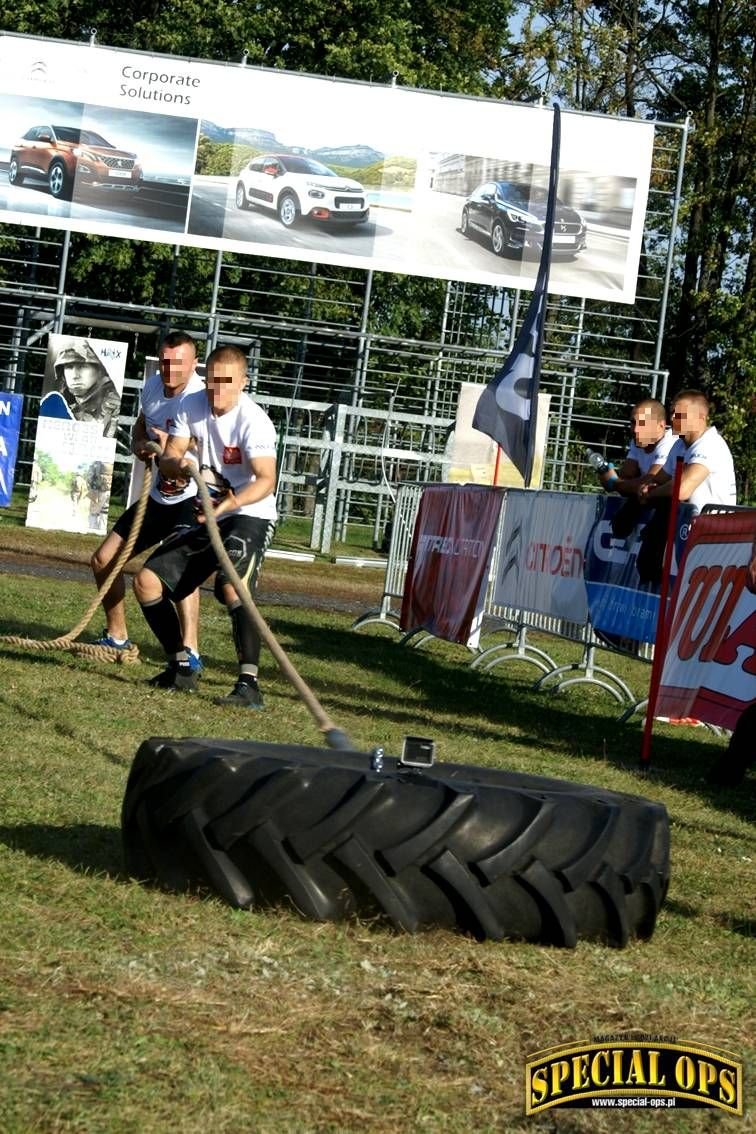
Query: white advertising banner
{"x": 709, "y": 670}
{"x": 318, "y": 169}
{"x": 72, "y": 470}
{"x": 541, "y": 556}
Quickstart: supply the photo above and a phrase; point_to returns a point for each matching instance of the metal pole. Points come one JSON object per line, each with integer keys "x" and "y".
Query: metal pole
{"x": 567, "y": 428}
{"x": 60, "y": 298}
{"x": 671, "y": 245}
{"x": 212, "y": 322}
{"x": 343, "y": 502}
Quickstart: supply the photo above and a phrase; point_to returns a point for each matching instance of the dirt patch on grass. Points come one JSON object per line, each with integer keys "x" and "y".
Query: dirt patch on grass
{"x": 322, "y": 585}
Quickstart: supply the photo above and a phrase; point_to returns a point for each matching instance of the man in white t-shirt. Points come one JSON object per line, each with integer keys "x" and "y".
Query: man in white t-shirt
{"x": 652, "y": 441}
{"x": 708, "y": 475}
{"x": 236, "y": 448}
{"x": 168, "y": 509}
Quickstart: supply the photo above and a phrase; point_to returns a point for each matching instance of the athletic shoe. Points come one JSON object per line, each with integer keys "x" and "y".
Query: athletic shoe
{"x": 105, "y": 639}
{"x": 195, "y": 661}
{"x": 177, "y": 675}
{"x": 245, "y": 694}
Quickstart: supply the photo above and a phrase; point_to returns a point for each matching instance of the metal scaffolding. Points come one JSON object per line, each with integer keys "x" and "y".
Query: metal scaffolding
{"x": 358, "y": 410}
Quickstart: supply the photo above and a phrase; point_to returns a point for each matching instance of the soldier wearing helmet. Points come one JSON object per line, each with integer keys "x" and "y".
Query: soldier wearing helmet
{"x": 87, "y": 388}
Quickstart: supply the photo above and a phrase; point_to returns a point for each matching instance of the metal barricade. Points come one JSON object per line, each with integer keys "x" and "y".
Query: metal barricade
{"x": 515, "y": 622}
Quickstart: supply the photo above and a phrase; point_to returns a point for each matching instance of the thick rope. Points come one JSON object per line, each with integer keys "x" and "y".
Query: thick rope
{"x": 127, "y": 656}
{"x": 335, "y": 737}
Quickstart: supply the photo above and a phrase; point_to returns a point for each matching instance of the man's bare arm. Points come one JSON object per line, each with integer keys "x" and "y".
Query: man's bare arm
{"x": 264, "y": 472}
{"x": 172, "y": 461}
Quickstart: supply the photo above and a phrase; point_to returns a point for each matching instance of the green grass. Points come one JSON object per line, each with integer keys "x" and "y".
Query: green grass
{"x": 123, "y": 1008}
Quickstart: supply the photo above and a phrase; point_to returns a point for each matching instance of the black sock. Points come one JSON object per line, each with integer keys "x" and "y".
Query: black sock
{"x": 246, "y": 638}
{"x": 163, "y": 621}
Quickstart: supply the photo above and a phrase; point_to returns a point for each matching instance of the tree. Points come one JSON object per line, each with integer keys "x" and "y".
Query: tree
{"x": 661, "y": 58}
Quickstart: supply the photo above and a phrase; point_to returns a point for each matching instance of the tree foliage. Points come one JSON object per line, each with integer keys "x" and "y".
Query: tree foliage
{"x": 647, "y": 58}
{"x": 664, "y": 59}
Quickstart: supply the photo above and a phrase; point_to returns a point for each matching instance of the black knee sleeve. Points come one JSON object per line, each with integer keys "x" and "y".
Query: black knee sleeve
{"x": 163, "y": 621}
{"x": 246, "y": 638}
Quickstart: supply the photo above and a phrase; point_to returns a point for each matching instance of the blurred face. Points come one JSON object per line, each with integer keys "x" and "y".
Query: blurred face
{"x": 81, "y": 378}
{"x": 688, "y": 419}
{"x": 647, "y": 429}
{"x": 177, "y": 365}
{"x": 225, "y": 382}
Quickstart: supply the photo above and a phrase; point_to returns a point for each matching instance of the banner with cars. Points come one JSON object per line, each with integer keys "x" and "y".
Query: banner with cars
{"x": 11, "y": 408}
{"x": 709, "y": 670}
{"x": 541, "y": 552}
{"x": 72, "y": 469}
{"x": 262, "y": 161}
{"x": 447, "y": 572}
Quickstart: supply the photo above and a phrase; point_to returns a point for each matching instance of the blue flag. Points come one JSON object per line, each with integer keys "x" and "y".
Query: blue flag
{"x": 507, "y": 408}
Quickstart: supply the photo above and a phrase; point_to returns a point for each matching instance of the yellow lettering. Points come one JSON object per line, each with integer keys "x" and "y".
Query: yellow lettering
{"x": 617, "y": 1068}
{"x": 727, "y": 1085}
{"x": 636, "y": 1073}
{"x": 580, "y": 1078}
{"x": 539, "y": 1086}
{"x": 600, "y": 1055}
{"x": 653, "y": 1071}
{"x": 685, "y": 1073}
{"x": 560, "y": 1071}
{"x": 707, "y": 1076}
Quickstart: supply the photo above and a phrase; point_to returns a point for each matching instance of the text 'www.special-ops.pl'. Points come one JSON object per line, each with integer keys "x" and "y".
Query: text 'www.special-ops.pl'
{"x": 661, "y": 1104}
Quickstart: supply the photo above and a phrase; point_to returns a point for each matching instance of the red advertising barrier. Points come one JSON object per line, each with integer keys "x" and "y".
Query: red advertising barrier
{"x": 447, "y": 573}
{"x": 710, "y": 665}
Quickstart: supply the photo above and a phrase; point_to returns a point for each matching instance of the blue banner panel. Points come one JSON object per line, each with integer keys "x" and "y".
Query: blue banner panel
{"x": 619, "y": 602}
{"x": 11, "y": 408}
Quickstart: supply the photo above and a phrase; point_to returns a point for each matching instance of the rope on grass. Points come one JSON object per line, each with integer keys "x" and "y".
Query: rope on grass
{"x": 335, "y": 737}
{"x": 67, "y": 642}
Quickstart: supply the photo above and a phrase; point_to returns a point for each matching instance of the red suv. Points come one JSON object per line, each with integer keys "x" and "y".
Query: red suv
{"x": 64, "y": 155}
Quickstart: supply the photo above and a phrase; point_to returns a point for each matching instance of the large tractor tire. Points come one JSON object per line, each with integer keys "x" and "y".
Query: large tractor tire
{"x": 496, "y": 854}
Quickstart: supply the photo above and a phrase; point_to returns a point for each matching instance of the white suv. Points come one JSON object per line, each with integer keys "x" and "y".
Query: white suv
{"x": 293, "y": 186}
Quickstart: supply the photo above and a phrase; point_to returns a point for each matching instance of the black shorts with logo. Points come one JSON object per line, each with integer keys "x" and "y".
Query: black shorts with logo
{"x": 187, "y": 559}
{"x": 160, "y": 521}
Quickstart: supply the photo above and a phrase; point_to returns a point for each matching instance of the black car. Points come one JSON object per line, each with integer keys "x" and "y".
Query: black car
{"x": 512, "y": 214}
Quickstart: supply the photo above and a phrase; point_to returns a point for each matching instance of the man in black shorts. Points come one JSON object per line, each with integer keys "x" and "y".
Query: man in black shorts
{"x": 169, "y": 508}
{"x": 236, "y": 448}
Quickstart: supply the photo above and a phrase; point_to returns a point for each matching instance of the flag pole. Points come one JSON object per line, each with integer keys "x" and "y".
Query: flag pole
{"x": 507, "y": 409}
{"x": 542, "y": 285}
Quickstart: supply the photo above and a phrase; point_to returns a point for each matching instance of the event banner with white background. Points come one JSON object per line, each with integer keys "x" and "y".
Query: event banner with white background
{"x": 275, "y": 163}
{"x": 542, "y": 552}
{"x": 710, "y": 663}
{"x": 72, "y": 470}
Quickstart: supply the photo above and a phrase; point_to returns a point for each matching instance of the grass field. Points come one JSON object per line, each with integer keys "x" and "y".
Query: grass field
{"x": 123, "y": 1008}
